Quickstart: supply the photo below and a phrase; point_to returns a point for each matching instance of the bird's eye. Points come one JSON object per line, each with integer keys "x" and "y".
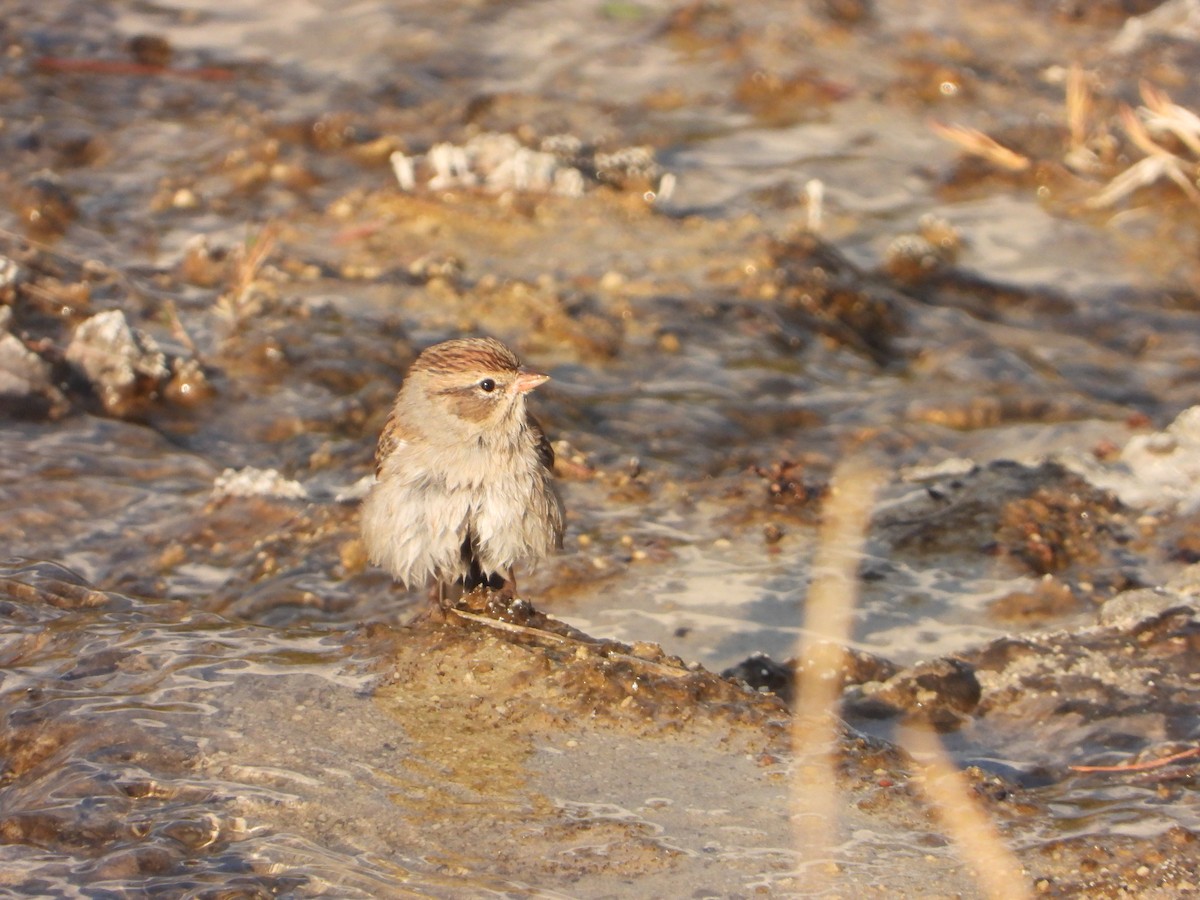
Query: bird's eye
{"x": 487, "y": 385}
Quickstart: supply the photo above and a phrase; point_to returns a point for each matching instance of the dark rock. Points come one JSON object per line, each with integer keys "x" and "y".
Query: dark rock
{"x": 150, "y": 49}
{"x": 941, "y": 691}
{"x": 45, "y": 205}
{"x": 762, "y": 673}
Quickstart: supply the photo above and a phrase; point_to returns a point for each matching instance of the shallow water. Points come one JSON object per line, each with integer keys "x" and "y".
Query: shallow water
{"x": 687, "y": 351}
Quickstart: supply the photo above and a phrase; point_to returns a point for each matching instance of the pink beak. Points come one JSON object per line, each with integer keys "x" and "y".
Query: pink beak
{"x": 527, "y": 381}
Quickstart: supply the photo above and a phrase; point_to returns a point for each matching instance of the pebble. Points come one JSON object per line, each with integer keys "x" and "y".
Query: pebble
{"x": 120, "y": 363}
{"x": 26, "y": 380}
{"x": 1128, "y": 608}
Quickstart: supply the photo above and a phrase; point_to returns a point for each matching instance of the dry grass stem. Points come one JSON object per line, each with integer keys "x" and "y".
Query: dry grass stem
{"x": 976, "y": 143}
{"x": 1080, "y": 107}
{"x": 241, "y": 301}
{"x": 178, "y": 331}
{"x": 541, "y": 634}
{"x": 1162, "y": 117}
{"x": 814, "y": 195}
{"x": 1142, "y": 766}
{"x": 828, "y": 617}
{"x": 994, "y": 866}
{"x": 1139, "y": 135}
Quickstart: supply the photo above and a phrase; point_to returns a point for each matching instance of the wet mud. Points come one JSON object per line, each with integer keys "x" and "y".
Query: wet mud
{"x": 747, "y": 242}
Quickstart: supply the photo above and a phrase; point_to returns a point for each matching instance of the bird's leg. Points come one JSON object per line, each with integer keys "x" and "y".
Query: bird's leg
{"x": 435, "y": 611}
{"x": 474, "y": 586}
{"x": 503, "y": 602}
{"x": 504, "y": 587}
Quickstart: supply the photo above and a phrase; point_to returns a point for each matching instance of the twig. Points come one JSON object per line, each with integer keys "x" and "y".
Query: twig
{"x": 240, "y": 301}
{"x": 122, "y": 67}
{"x": 1080, "y": 107}
{"x": 177, "y": 329}
{"x": 1141, "y": 766}
{"x": 597, "y": 646}
{"x": 1168, "y": 116}
{"x": 512, "y": 627}
{"x": 975, "y": 142}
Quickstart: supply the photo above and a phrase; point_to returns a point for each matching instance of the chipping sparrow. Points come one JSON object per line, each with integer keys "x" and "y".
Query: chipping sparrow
{"x": 463, "y": 487}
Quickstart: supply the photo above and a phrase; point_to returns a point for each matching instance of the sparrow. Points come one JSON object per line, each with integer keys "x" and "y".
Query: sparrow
{"x": 464, "y": 486}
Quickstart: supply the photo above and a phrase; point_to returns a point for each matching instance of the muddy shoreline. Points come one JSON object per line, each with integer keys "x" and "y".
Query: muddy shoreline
{"x": 747, "y": 243}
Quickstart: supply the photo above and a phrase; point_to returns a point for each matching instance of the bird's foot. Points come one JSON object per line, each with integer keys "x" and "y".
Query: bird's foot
{"x": 494, "y": 602}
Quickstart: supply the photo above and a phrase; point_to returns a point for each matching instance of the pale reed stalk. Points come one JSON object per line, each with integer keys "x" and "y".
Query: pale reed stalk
{"x": 993, "y": 865}
{"x": 828, "y": 616}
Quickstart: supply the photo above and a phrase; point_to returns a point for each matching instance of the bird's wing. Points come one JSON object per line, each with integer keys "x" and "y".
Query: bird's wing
{"x": 542, "y": 443}
{"x": 391, "y": 439}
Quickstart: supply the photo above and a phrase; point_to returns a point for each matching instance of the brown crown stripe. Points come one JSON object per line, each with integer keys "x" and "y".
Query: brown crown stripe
{"x": 484, "y": 354}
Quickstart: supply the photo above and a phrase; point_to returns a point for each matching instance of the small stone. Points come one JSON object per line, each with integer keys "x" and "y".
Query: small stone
{"x": 184, "y": 198}
{"x": 941, "y": 691}
{"x": 646, "y": 650}
{"x": 26, "y": 385}
{"x": 910, "y": 258}
{"x": 1128, "y": 608}
{"x": 45, "y": 205}
{"x": 188, "y": 385}
{"x": 150, "y": 50}
{"x": 252, "y": 482}
{"x": 10, "y": 274}
{"x": 202, "y": 264}
{"x": 353, "y": 555}
{"x": 171, "y": 556}
{"x": 124, "y": 366}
